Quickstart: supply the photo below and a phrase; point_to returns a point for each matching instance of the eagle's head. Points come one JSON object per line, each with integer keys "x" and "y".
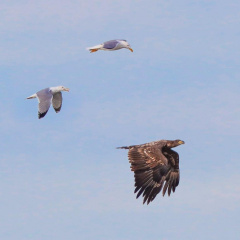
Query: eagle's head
{"x": 175, "y": 143}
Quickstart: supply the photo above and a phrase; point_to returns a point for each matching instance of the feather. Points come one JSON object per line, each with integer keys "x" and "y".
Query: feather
{"x": 156, "y": 168}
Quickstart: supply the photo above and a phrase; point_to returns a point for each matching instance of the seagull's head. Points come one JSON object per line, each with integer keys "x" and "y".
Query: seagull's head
{"x": 125, "y": 44}
{"x": 62, "y": 88}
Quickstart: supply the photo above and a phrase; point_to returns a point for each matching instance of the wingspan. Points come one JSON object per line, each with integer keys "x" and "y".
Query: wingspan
{"x": 149, "y": 166}
{"x": 57, "y": 101}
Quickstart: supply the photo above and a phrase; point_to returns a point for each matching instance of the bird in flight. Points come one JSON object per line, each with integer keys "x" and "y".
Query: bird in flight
{"x": 155, "y": 166}
{"x": 111, "y": 46}
{"x": 46, "y": 97}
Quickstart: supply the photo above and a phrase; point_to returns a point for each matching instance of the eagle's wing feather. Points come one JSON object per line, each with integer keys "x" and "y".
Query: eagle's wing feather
{"x": 174, "y": 175}
{"x": 152, "y": 168}
{"x": 149, "y": 166}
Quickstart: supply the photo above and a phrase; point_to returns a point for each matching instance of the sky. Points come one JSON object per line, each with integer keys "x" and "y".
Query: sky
{"x": 62, "y": 177}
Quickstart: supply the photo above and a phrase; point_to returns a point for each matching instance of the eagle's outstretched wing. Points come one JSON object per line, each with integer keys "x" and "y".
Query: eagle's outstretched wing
{"x": 173, "y": 179}
{"x": 154, "y": 169}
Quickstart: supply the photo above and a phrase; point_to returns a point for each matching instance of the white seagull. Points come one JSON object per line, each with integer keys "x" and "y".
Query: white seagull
{"x": 111, "y": 46}
{"x": 46, "y": 97}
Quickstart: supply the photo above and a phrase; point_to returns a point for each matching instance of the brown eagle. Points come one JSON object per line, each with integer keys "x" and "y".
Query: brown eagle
{"x": 155, "y": 166}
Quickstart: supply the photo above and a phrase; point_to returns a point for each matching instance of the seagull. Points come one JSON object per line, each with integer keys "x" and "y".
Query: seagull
{"x": 111, "y": 46}
{"x": 46, "y": 97}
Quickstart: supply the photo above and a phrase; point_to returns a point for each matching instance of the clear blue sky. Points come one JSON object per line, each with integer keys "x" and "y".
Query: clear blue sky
{"x": 61, "y": 177}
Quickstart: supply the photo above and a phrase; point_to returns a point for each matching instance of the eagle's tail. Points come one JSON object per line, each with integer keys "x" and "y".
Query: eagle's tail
{"x": 127, "y": 147}
{"x": 124, "y": 147}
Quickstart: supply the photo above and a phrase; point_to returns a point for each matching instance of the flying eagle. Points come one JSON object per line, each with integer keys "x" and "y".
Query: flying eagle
{"x": 155, "y": 166}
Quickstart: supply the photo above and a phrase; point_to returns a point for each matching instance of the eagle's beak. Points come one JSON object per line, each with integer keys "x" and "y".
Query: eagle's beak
{"x": 130, "y": 49}
{"x": 67, "y": 89}
{"x": 181, "y": 142}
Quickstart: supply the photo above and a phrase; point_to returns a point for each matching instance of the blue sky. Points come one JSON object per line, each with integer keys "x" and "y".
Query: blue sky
{"x": 61, "y": 177}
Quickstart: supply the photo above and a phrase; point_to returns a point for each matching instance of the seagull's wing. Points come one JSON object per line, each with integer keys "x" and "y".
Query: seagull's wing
{"x": 57, "y": 101}
{"x": 44, "y": 98}
{"x": 110, "y": 44}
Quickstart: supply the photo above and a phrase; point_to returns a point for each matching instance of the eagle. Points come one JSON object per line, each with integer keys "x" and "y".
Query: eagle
{"x": 155, "y": 166}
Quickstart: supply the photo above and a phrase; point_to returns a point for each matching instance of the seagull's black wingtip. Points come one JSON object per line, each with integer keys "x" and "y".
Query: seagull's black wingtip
{"x": 41, "y": 115}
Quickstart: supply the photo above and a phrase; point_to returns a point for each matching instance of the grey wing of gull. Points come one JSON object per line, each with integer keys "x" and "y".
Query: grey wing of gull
{"x": 57, "y": 101}
{"x": 44, "y": 99}
{"x": 110, "y": 44}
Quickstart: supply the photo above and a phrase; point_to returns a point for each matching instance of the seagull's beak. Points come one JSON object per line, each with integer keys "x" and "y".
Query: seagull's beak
{"x": 130, "y": 49}
{"x": 66, "y": 89}
{"x": 181, "y": 142}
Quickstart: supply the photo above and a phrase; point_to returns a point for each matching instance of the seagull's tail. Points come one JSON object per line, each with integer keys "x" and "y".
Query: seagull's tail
{"x": 33, "y": 96}
{"x": 95, "y": 48}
